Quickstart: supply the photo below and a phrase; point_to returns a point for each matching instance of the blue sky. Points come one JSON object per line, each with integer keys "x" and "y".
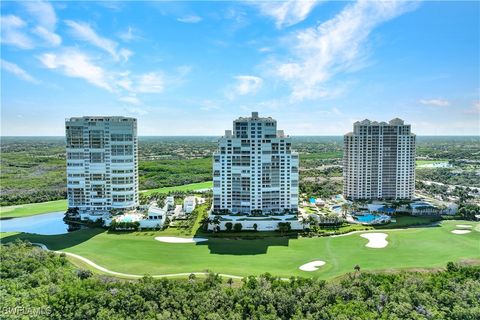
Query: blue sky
{"x": 190, "y": 68}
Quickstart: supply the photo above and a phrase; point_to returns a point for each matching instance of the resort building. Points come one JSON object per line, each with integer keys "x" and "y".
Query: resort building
{"x": 379, "y": 161}
{"x": 170, "y": 202}
{"x": 102, "y": 164}
{"x": 255, "y": 170}
{"x": 189, "y": 204}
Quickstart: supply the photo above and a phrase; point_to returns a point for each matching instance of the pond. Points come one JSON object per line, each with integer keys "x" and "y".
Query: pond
{"x": 47, "y": 223}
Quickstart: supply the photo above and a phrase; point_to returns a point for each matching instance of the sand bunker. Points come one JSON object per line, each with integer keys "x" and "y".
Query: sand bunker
{"x": 180, "y": 240}
{"x": 464, "y": 226}
{"x": 375, "y": 240}
{"x": 461, "y": 231}
{"x": 312, "y": 266}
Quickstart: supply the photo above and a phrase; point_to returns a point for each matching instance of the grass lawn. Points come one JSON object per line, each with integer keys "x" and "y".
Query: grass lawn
{"x": 139, "y": 253}
{"x": 407, "y": 221}
{"x": 31, "y": 209}
{"x": 423, "y": 162}
{"x": 186, "y": 187}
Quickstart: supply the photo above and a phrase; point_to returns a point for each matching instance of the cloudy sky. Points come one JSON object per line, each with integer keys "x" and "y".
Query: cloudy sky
{"x": 190, "y": 68}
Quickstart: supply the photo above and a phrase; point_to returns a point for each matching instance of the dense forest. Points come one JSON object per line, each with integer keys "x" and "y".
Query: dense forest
{"x": 44, "y": 285}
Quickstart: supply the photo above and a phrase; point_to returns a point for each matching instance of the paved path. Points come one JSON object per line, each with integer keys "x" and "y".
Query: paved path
{"x": 100, "y": 268}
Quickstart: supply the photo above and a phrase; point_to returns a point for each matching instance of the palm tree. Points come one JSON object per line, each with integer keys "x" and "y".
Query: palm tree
{"x": 205, "y": 222}
{"x": 216, "y": 223}
{"x": 304, "y": 223}
{"x": 354, "y": 207}
{"x": 345, "y": 208}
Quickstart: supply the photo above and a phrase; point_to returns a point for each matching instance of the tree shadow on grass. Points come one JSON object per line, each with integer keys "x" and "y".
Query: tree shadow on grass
{"x": 243, "y": 246}
{"x": 58, "y": 241}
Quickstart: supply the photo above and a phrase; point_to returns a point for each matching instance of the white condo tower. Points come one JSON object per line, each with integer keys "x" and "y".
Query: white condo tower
{"x": 255, "y": 169}
{"x": 379, "y": 161}
{"x": 102, "y": 163}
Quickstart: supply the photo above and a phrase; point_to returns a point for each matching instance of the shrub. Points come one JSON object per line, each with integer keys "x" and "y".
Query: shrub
{"x": 237, "y": 227}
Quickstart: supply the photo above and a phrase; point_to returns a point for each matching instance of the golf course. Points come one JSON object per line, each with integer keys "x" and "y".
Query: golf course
{"x": 138, "y": 253}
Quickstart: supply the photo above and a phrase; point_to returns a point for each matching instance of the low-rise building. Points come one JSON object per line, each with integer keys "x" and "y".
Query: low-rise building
{"x": 170, "y": 202}
{"x": 189, "y": 204}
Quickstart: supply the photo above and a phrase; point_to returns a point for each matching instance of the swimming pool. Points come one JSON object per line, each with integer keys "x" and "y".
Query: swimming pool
{"x": 126, "y": 219}
{"x": 370, "y": 218}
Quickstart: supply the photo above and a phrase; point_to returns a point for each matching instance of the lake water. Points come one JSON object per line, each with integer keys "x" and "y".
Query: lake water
{"x": 47, "y": 223}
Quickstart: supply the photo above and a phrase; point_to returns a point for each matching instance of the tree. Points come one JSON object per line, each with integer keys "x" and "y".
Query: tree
{"x": 84, "y": 274}
{"x": 284, "y": 227}
{"x": 228, "y": 226}
{"x": 237, "y": 227}
{"x": 345, "y": 206}
{"x": 255, "y": 227}
{"x": 205, "y": 222}
{"x": 230, "y": 282}
{"x": 357, "y": 268}
{"x": 191, "y": 277}
{"x": 216, "y": 224}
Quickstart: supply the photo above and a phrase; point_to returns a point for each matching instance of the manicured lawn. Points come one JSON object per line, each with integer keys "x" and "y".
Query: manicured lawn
{"x": 31, "y": 209}
{"x": 407, "y": 221}
{"x": 423, "y": 162}
{"x": 186, "y": 187}
{"x": 139, "y": 253}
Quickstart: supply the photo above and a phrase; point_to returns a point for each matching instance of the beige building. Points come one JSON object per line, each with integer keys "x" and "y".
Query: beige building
{"x": 379, "y": 161}
{"x": 255, "y": 169}
{"x": 102, "y": 163}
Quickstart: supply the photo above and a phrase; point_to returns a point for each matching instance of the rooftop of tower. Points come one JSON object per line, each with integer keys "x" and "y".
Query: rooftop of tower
{"x": 101, "y": 118}
{"x": 255, "y": 116}
{"x": 393, "y": 122}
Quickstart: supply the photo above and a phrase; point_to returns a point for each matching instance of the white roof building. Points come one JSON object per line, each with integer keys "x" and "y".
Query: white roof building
{"x": 189, "y": 204}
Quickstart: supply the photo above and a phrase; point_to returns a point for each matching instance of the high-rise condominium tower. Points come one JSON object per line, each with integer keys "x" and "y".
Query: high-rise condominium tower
{"x": 102, "y": 167}
{"x": 255, "y": 169}
{"x": 379, "y": 161}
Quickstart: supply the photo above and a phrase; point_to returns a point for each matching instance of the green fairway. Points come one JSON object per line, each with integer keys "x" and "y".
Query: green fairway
{"x": 424, "y": 162}
{"x": 184, "y": 188}
{"x": 139, "y": 253}
{"x": 31, "y": 209}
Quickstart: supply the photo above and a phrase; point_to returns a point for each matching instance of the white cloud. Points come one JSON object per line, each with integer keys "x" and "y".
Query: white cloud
{"x": 51, "y": 37}
{"x": 75, "y": 63}
{"x": 12, "y": 32}
{"x": 286, "y": 13}
{"x": 17, "y": 71}
{"x": 85, "y": 32}
{"x": 335, "y": 46}
{"x": 153, "y": 82}
{"x": 128, "y": 35}
{"x": 136, "y": 111}
{"x": 476, "y": 105}
{"x": 435, "y": 102}
{"x": 244, "y": 85}
{"x": 131, "y": 100}
{"x": 44, "y": 14}
{"x": 190, "y": 19}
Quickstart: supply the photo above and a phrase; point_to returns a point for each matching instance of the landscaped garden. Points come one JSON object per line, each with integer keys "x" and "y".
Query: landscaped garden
{"x": 24, "y": 210}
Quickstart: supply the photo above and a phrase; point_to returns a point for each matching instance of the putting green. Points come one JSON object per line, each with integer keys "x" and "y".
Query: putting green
{"x": 140, "y": 253}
